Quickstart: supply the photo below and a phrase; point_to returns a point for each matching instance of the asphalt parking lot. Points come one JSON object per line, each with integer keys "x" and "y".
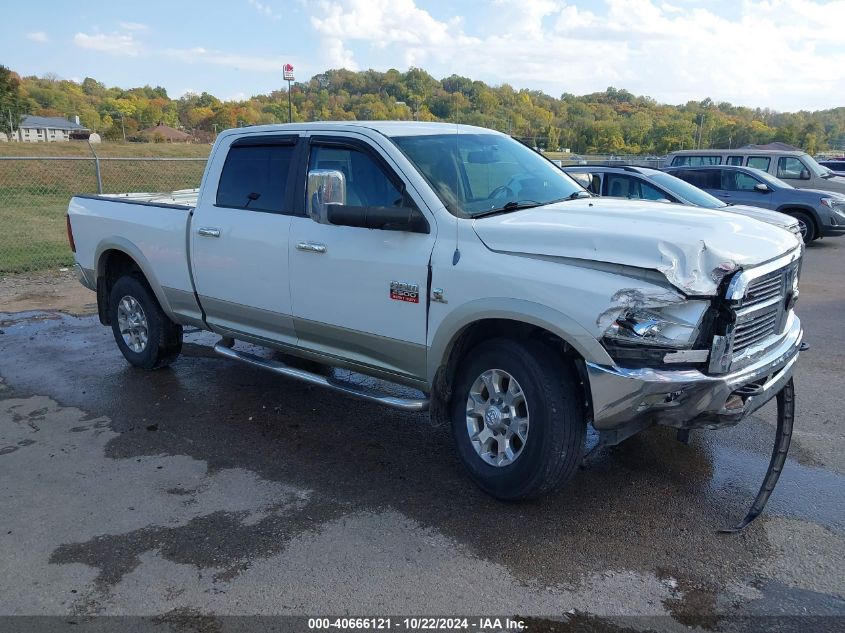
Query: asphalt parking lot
{"x": 213, "y": 488}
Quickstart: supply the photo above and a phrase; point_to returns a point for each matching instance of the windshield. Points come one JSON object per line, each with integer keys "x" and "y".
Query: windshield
{"x": 474, "y": 174}
{"x": 769, "y": 179}
{"x": 817, "y": 169}
{"x": 688, "y": 192}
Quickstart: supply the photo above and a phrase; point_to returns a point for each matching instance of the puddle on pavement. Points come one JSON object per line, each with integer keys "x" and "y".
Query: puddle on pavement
{"x": 803, "y": 492}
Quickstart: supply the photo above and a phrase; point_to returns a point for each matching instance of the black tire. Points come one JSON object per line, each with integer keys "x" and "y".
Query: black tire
{"x": 805, "y": 221}
{"x": 164, "y": 337}
{"x": 554, "y": 443}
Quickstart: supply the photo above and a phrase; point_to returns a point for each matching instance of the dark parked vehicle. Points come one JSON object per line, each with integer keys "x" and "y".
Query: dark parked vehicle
{"x": 837, "y": 166}
{"x": 819, "y": 213}
{"x": 644, "y": 183}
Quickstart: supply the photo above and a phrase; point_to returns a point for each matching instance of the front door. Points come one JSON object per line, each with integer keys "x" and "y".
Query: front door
{"x": 739, "y": 187}
{"x": 360, "y": 294}
{"x": 239, "y": 241}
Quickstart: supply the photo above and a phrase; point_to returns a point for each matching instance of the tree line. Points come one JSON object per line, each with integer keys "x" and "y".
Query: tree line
{"x": 614, "y": 121}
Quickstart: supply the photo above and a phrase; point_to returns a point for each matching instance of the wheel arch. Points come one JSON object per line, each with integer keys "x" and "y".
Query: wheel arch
{"x": 517, "y": 319}
{"x": 116, "y": 257}
{"x": 810, "y": 211}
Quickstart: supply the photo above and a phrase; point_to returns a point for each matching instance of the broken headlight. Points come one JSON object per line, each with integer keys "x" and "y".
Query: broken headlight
{"x": 656, "y": 335}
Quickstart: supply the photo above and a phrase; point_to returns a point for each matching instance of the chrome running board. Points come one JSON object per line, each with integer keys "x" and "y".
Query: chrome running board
{"x": 403, "y": 404}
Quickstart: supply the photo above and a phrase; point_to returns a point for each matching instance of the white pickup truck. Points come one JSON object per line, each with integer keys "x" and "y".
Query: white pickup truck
{"x": 454, "y": 260}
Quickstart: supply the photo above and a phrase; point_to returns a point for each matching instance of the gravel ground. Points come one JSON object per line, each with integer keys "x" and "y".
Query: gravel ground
{"x": 212, "y": 489}
{"x": 57, "y": 290}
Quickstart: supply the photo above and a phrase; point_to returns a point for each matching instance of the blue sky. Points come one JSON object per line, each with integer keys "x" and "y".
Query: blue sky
{"x": 782, "y": 54}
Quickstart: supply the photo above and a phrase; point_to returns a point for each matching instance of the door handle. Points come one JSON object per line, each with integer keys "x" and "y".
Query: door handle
{"x": 311, "y": 247}
{"x": 209, "y": 232}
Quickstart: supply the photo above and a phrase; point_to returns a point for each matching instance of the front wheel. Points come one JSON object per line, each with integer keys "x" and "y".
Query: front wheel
{"x": 805, "y": 225}
{"x": 517, "y": 418}
{"x": 145, "y": 335}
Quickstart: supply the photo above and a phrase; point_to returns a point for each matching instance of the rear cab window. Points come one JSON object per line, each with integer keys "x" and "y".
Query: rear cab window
{"x": 255, "y": 175}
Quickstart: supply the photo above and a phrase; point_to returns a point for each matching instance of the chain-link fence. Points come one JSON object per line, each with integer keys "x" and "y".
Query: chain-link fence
{"x": 34, "y": 195}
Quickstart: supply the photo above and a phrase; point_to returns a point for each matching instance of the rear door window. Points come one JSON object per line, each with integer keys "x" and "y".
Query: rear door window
{"x": 734, "y": 160}
{"x": 759, "y": 162}
{"x": 701, "y": 178}
{"x": 255, "y": 177}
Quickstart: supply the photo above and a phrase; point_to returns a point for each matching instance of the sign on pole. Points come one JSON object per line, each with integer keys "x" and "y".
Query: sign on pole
{"x": 287, "y": 73}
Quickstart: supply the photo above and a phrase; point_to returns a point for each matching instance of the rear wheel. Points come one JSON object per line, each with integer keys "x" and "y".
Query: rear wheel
{"x": 517, "y": 419}
{"x": 805, "y": 225}
{"x": 145, "y": 335}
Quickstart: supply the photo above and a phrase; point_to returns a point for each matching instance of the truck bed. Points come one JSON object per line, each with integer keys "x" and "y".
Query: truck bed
{"x": 150, "y": 227}
{"x": 182, "y": 197}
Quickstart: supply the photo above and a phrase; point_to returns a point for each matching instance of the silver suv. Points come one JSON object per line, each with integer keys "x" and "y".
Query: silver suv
{"x": 796, "y": 168}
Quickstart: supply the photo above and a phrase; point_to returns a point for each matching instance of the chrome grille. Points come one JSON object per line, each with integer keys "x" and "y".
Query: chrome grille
{"x": 766, "y": 288}
{"x": 757, "y": 327}
{"x": 762, "y": 309}
{"x": 761, "y": 300}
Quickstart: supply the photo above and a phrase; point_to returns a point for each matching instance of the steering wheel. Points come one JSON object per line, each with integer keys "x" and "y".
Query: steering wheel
{"x": 498, "y": 191}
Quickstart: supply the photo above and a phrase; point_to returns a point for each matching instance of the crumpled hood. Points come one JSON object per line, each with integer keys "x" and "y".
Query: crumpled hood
{"x": 693, "y": 247}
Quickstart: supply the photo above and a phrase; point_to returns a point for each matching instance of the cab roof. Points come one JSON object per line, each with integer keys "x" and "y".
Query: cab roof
{"x": 386, "y": 128}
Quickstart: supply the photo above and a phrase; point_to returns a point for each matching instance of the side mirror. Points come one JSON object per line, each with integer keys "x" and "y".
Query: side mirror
{"x": 762, "y": 188}
{"x": 805, "y": 174}
{"x": 326, "y": 188}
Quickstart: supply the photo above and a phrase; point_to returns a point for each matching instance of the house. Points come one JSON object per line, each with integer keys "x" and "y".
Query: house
{"x": 35, "y": 129}
{"x": 164, "y": 134}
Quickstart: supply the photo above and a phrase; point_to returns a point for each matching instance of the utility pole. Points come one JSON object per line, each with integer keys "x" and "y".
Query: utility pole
{"x": 122, "y": 126}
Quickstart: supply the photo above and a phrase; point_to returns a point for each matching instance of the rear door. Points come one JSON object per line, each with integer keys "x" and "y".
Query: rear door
{"x": 361, "y": 294}
{"x": 708, "y": 180}
{"x": 633, "y": 188}
{"x": 239, "y": 239}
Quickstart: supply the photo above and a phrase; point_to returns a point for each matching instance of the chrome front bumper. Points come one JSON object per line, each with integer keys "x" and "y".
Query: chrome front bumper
{"x": 690, "y": 399}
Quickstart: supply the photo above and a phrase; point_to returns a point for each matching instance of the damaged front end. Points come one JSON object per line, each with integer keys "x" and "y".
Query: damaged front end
{"x": 692, "y": 363}
{"x": 733, "y": 357}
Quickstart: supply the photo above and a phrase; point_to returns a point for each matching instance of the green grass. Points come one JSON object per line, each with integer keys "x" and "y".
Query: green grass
{"x": 34, "y": 196}
{"x": 125, "y": 150}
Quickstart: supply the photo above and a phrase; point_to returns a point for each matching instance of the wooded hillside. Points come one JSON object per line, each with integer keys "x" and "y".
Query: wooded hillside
{"x": 614, "y": 121}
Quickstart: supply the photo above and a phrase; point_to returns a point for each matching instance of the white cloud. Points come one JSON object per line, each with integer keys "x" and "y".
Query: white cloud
{"x": 112, "y": 44}
{"x": 133, "y": 26}
{"x": 38, "y": 36}
{"x": 787, "y": 54}
{"x": 201, "y": 55}
{"x": 264, "y": 9}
